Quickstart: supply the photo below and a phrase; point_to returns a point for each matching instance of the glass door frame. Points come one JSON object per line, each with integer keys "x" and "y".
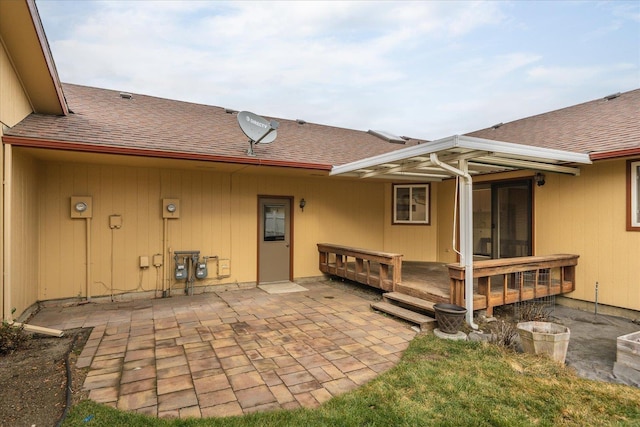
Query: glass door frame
{"x": 486, "y": 246}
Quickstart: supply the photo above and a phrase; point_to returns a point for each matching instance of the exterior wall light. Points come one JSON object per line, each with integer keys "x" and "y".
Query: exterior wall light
{"x": 539, "y": 179}
{"x": 303, "y": 203}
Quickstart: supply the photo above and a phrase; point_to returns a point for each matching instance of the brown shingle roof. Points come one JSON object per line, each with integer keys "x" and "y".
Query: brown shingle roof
{"x": 104, "y": 121}
{"x": 597, "y": 126}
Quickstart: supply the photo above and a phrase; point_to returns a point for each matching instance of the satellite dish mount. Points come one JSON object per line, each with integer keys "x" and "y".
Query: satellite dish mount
{"x": 258, "y": 129}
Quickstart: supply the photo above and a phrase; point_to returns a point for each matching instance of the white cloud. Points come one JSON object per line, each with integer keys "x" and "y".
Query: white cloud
{"x": 415, "y": 68}
{"x": 577, "y": 76}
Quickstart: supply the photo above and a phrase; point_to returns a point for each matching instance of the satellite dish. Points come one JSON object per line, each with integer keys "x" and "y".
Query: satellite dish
{"x": 257, "y": 129}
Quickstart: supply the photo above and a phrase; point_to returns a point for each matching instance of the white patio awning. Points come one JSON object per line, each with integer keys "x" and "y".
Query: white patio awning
{"x": 463, "y": 157}
{"x": 481, "y": 156}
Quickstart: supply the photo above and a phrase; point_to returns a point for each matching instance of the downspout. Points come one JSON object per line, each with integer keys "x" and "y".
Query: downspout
{"x": 6, "y": 231}
{"x": 466, "y": 229}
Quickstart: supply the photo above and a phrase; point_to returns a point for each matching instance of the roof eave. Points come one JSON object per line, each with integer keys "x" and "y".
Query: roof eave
{"x": 108, "y": 149}
{"x": 48, "y": 56}
{"x": 604, "y": 155}
{"x": 26, "y": 44}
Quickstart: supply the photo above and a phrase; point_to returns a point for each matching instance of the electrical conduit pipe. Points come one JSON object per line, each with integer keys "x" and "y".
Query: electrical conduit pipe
{"x": 6, "y": 284}
{"x": 165, "y": 257}
{"x": 466, "y": 229}
{"x": 88, "y": 220}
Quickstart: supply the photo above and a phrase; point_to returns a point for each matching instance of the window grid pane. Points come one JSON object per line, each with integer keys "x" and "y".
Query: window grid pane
{"x": 419, "y": 204}
{"x": 403, "y": 195}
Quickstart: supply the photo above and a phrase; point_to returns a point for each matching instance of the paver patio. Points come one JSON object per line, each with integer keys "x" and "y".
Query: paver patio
{"x": 231, "y": 352}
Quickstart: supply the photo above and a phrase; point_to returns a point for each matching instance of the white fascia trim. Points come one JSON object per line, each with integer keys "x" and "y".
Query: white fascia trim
{"x": 520, "y": 150}
{"x": 394, "y": 156}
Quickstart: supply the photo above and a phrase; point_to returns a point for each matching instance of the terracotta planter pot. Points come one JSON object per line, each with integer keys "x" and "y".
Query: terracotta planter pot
{"x": 450, "y": 317}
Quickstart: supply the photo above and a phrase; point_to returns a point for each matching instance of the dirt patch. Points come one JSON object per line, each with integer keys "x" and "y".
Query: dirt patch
{"x": 34, "y": 379}
{"x": 363, "y": 291}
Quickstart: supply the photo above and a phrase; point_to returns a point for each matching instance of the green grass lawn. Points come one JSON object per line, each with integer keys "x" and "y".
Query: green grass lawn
{"x": 438, "y": 383}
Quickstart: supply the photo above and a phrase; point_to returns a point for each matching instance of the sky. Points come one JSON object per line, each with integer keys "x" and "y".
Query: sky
{"x": 423, "y": 69}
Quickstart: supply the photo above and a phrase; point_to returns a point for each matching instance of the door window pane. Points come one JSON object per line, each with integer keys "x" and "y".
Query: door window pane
{"x": 513, "y": 221}
{"x": 274, "y": 222}
{"x": 482, "y": 222}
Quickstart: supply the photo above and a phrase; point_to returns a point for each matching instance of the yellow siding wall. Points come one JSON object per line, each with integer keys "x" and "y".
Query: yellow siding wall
{"x": 586, "y": 215}
{"x": 24, "y": 241}
{"x": 14, "y": 106}
{"x": 583, "y": 215}
{"x": 218, "y": 217}
{"x": 414, "y": 242}
{"x": 445, "y": 206}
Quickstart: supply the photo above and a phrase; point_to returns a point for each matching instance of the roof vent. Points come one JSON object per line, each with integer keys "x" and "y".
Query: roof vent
{"x": 387, "y": 136}
{"x": 301, "y": 122}
{"x": 126, "y": 95}
{"x": 230, "y": 111}
{"x": 612, "y": 96}
{"x": 497, "y": 125}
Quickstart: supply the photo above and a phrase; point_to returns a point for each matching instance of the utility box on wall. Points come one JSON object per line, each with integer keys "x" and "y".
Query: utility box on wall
{"x": 170, "y": 208}
{"x": 81, "y": 207}
{"x": 224, "y": 267}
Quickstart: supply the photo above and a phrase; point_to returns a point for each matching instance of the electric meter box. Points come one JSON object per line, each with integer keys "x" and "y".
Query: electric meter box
{"x": 81, "y": 207}
{"x": 170, "y": 208}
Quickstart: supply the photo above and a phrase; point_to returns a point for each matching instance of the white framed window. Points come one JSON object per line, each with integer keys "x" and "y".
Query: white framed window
{"x": 633, "y": 195}
{"x": 411, "y": 204}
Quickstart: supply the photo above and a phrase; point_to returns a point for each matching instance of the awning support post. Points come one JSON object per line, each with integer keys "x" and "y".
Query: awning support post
{"x": 466, "y": 228}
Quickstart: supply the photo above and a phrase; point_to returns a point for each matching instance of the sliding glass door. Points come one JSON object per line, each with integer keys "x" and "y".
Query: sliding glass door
{"x": 502, "y": 219}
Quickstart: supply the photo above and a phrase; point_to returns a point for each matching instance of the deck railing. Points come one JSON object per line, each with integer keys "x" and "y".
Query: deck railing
{"x": 509, "y": 280}
{"x": 379, "y": 269}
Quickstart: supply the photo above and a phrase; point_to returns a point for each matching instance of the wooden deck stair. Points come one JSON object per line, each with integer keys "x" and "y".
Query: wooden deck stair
{"x": 409, "y": 308}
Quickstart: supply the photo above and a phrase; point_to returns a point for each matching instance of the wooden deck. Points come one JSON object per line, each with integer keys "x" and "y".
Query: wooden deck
{"x": 496, "y": 282}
